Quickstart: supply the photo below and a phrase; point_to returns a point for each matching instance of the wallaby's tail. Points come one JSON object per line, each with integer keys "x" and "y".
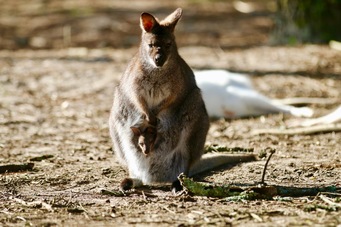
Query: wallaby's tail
{"x": 212, "y": 161}
{"x": 330, "y": 118}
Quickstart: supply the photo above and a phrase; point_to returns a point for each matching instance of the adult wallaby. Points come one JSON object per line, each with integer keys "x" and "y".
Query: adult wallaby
{"x": 159, "y": 85}
{"x": 231, "y": 95}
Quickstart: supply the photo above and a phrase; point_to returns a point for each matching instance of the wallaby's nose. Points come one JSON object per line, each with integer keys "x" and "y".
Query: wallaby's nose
{"x": 159, "y": 59}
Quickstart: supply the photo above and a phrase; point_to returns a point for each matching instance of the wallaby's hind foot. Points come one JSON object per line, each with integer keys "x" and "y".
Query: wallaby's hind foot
{"x": 129, "y": 183}
{"x": 126, "y": 184}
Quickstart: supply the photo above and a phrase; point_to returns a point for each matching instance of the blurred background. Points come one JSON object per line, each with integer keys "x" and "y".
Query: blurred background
{"x": 47, "y": 24}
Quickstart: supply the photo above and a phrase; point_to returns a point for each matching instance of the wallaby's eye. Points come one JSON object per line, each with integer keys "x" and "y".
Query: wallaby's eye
{"x": 168, "y": 44}
{"x": 150, "y": 45}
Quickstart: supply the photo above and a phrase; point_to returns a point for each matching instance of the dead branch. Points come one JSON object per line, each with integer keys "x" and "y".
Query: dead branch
{"x": 12, "y": 168}
{"x": 251, "y": 192}
{"x": 302, "y": 130}
{"x": 306, "y": 100}
{"x": 272, "y": 151}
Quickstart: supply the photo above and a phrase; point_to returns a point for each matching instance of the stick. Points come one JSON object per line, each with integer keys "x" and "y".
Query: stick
{"x": 302, "y": 130}
{"x": 40, "y": 158}
{"x": 306, "y": 100}
{"x": 272, "y": 151}
{"x": 327, "y": 200}
{"x": 251, "y": 192}
{"x": 12, "y": 168}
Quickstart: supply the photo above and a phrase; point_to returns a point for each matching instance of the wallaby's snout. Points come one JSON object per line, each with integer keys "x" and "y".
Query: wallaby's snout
{"x": 158, "y": 50}
{"x": 160, "y": 57}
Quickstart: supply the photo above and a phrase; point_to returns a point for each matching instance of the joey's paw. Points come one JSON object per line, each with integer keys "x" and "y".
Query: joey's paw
{"x": 176, "y": 186}
{"x": 152, "y": 120}
{"x": 126, "y": 184}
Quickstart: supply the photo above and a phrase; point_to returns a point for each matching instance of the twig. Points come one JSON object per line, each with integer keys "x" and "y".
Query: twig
{"x": 306, "y": 100}
{"x": 332, "y": 193}
{"x": 327, "y": 200}
{"x": 11, "y": 168}
{"x": 250, "y": 192}
{"x": 256, "y": 217}
{"x": 272, "y": 151}
{"x": 302, "y": 130}
{"x": 217, "y": 148}
{"x": 113, "y": 193}
{"x": 144, "y": 196}
{"x": 40, "y": 158}
{"x": 169, "y": 210}
{"x": 42, "y": 204}
{"x": 21, "y": 218}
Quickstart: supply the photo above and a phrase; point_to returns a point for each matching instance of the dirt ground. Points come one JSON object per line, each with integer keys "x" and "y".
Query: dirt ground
{"x": 55, "y": 97}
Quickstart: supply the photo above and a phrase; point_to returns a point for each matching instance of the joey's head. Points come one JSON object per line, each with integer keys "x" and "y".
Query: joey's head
{"x": 158, "y": 41}
{"x": 146, "y": 137}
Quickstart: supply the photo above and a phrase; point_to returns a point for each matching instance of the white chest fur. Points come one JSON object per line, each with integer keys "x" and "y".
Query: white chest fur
{"x": 154, "y": 95}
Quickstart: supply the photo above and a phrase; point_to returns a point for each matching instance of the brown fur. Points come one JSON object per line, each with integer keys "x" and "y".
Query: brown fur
{"x": 146, "y": 134}
{"x": 159, "y": 85}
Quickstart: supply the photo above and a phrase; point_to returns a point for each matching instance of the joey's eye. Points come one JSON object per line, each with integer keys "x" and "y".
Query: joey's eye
{"x": 168, "y": 45}
{"x": 150, "y": 45}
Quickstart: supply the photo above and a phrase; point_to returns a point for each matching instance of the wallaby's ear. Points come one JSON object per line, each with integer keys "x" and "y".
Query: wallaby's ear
{"x": 136, "y": 130}
{"x": 172, "y": 19}
{"x": 148, "y": 22}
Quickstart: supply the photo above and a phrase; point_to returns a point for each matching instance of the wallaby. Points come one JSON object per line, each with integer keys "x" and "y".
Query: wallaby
{"x": 332, "y": 117}
{"x": 158, "y": 84}
{"x": 146, "y": 134}
{"x": 231, "y": 95}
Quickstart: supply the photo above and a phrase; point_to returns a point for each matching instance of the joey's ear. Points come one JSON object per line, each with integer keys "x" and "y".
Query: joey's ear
{"x": 136, "y": 130}
{"x": 148, "y": 22}
{"x": 151, "y": 130}
{"x": 172, "y": 19}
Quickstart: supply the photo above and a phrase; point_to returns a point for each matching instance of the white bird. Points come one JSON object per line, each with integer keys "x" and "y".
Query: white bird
{"x": 231, "y": 95}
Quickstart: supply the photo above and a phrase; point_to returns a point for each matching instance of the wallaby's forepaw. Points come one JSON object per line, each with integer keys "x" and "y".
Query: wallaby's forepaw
{"x": 127, "y": 184}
